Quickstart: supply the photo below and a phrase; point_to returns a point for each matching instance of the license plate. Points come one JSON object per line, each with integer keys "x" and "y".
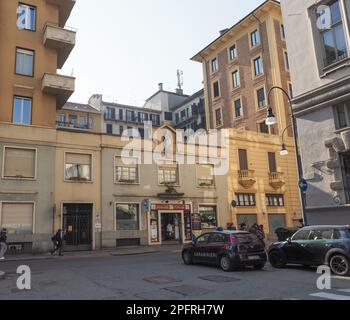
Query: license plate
{"x": 253, "y": 258}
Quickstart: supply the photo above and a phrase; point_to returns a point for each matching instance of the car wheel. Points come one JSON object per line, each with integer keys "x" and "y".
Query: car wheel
{"x": 226, "y": 264}
{"x": 277, "y": 259}
{"x": 340, "y": 265}
{"x": 259, "y": 266}
{"x": 187, "y": 258}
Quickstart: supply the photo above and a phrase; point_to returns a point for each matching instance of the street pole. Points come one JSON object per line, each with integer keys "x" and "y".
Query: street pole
{"x": 296, "y": 146}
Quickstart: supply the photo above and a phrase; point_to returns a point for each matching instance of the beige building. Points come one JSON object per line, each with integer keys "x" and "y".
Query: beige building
{"x": 239, "y": 68}
{"x": 31, "y": 91}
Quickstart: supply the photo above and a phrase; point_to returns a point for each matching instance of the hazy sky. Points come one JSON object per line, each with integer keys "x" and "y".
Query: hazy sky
{"x": 125, "y": 48}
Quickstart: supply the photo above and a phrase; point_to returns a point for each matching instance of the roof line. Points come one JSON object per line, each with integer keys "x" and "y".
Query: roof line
{"x": 235, "y": 25}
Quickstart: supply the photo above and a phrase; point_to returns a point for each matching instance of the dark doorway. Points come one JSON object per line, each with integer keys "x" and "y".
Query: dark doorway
{"x": 171, "y": 227}
{"x": 77, "y": 222}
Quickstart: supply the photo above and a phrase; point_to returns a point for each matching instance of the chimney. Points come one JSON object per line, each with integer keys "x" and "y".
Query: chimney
{"x": 160, "y": 85}
{"x": 179, "y": 91}
{"x": 223, "y": 31}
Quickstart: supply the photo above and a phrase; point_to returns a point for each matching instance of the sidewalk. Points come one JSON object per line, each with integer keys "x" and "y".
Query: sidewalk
{"x": 105, "y": 253}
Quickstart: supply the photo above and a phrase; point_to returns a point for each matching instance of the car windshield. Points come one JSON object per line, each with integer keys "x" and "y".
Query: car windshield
{"x": 246, "y": 238}
{"x": 345, "y": 233}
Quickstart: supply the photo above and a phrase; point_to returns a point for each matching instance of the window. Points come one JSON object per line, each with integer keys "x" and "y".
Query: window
{"x": 233, "y": 52}
{"x": 258, "y": 67}
{"x": 203, "y": 239}
{"x": 264, "y": 128}
{"x": 73, "y": 120}
{"x": 254, "y": 38}
{"x": 82, "y": 122}
{"x": 217, "y": 238}
{"x": 345, "y": 168}
{"x": 245, "y": 199}
{"x": 90, "y": 123}
{"x": 155, "y": 118}
{"x": 286, "y": 60}
{"x": 261, "y": 98}
{"x": 121, "y": 114}
{"x": 26, "y": 18}
{"x": 243, "y": 159}
{"x": 142, "y": 117}
{"x": 283, "y": 32}
{"x": 218, "y": 117}
{"x": 126, "y": 173}
{"x": 168, "y": 116}
{"x": 216, "y": 89}
{"x": 17, "y": 218}
{"x": 334, "y": 37}
{"x": 238, "y": 108}
{"x": 78, "y": 167}
{"x": 109, "y": 128}
{"x": 205, "y": 177}
{"x": 130, "y": 115}
{"x": 127, "y": 216}
{"x": 235, "y": 79}
{"x": 62, "y": 120}
{"x": 24, "y": 62}
{"x": 19, "y": 163}
{"x": 214, "y": 65}
{"x": 342, "y": 113}
{"x": 301, "y": 235}
{"x": 272, "y": 162}
{"x": 110, "y": 113}
{"x": 22, "y": 110}
{"x": 208, "y": 216}
{"x": 324, "y": 234}
{"x": 275, "y": 200}
{"x": 168, "y": 173}
{"x": 177, "y": 118}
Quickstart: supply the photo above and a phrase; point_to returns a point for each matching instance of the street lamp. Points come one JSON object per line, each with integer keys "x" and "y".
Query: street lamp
{"x": 271, "y": 120}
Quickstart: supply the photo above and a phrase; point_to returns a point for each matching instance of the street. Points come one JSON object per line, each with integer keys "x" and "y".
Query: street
{"x": 161, "y": 275}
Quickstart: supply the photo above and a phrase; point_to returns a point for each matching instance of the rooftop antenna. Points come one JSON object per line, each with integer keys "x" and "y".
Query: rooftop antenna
{"x": 180, "y": 79}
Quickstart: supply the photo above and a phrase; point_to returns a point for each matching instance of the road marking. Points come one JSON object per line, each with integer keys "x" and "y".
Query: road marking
{"x": 330, "y": 296}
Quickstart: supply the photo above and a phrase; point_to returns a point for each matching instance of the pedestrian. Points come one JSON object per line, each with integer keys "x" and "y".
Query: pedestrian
{"x": 254, "y": 229}
{"x": 243, "y": 227}
{"x": 57, "y": 242}
{"x": 231, "y": 227}
{"x": 3, "y": 243}
{"x": 261, "y": 234}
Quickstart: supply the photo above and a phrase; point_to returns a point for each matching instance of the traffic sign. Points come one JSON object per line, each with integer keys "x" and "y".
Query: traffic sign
{"x": 303, "y": 185}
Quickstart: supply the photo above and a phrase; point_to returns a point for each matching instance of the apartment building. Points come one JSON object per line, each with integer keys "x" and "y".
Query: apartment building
{"x": 80, "y": 117}
{"x": 318, "y": 41}
{"x": 239, "y": 68}
{"x": 33, "y": 44}
{"x": 190, "y": 114}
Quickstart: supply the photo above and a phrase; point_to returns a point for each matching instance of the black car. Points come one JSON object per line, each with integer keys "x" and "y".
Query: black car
{"x": 315, "y": 246}
{"x": 227, "y": 249}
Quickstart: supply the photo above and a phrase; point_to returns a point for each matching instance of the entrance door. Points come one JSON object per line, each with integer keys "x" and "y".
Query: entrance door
{"x": 171, "y": 227}
{"x": 77, "y": 222}
{"x": 276, "y": 221}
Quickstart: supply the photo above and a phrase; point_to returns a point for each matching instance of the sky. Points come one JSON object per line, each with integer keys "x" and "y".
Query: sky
{"x": 124, "y": 48}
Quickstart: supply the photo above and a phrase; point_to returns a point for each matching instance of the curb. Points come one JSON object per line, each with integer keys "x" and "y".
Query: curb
{"x": 132, "y": 253}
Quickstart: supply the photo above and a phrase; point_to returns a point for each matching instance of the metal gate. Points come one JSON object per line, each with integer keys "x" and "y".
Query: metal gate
{"x": 77, "y": 222}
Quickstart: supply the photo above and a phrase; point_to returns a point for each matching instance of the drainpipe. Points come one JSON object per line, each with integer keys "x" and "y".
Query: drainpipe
{"x": 207, "y": 96}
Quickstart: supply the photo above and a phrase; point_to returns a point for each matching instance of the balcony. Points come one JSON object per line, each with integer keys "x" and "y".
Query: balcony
{"x": 276, "y": 180}
{"x": 73, "y": 126}
{"x": 58, "y": 85}
{"x": 65, "y": 7}
{"x": 246, "y": 178}
{"x": 63, "y": 40}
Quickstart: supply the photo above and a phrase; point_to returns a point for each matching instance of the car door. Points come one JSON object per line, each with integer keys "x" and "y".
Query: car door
{"x": 215, "y": 245}
{"x": 296, "y": 250}
{"x": 200, "y": 248}
{"x": 321, "y": 241}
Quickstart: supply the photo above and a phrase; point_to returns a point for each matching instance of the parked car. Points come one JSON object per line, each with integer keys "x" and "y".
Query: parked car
{"x": 227, "y": 249}
{"x": 315, "y": 246}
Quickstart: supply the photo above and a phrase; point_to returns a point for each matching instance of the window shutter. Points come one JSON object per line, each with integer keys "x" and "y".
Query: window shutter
{"x": 19, "y": 163}
{"x": 243, "y": 159}
{"x": 77, "y": 158}
{"x": 272, "y": 162}
{"x": 17, "y": 217}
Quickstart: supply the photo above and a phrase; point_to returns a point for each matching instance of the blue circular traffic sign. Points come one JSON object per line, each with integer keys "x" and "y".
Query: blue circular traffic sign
{"x": 303, "y": 185}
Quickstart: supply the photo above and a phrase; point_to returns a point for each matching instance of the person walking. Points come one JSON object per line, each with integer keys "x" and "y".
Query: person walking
{"x": 3, "y": 243}
{"x": 243, "y": 227}
{"x": 261, "y": 234}
{"x": 57, "y": 242}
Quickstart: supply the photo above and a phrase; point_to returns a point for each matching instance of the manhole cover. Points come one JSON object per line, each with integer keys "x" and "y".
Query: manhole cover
{"x": 187, "y": 290}
{"x": 219, "y": 279}
{"x": 161, "y": 280}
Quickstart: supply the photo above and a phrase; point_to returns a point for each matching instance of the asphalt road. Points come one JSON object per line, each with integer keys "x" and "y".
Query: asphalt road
{"x": 162, "y": 275}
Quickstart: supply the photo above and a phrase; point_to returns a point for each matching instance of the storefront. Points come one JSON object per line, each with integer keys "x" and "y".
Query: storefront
{"x": 170, "y": 224}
